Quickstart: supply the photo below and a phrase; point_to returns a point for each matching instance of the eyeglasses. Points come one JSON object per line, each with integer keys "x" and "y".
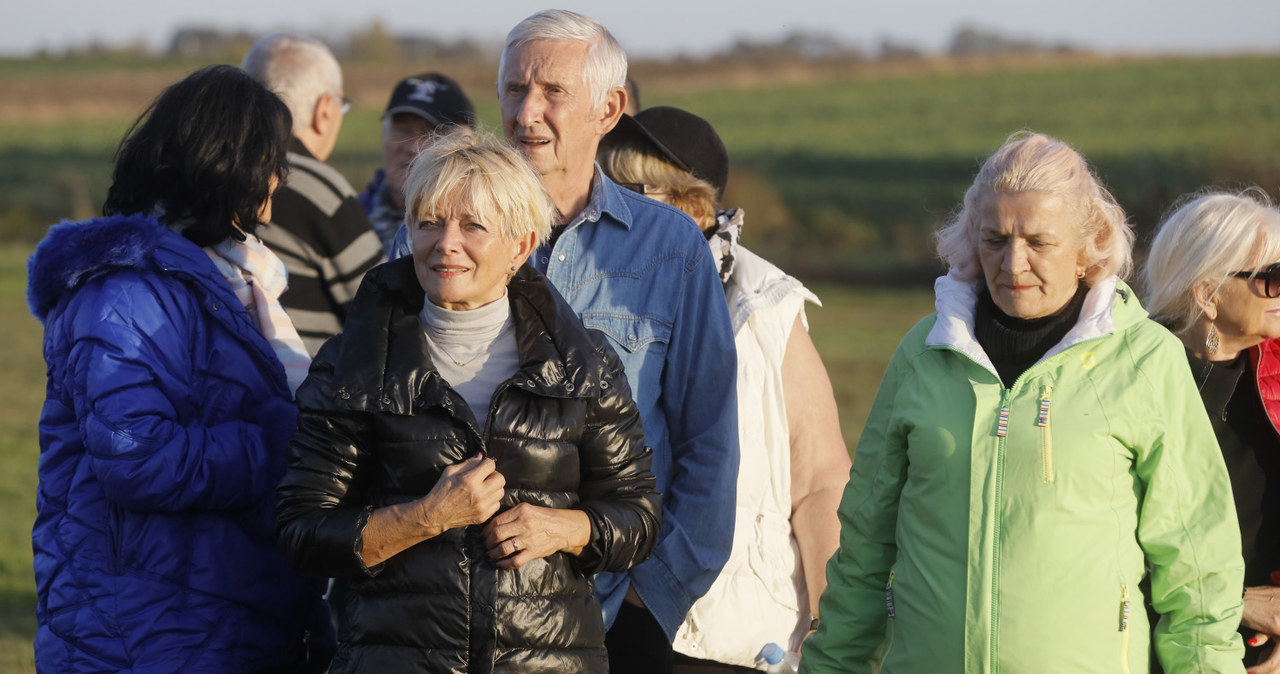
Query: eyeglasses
{"x": 1270, "y": 278}
{"x": 641, "y": 188}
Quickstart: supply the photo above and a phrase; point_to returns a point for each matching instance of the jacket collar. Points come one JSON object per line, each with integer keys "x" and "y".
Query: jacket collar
{"x": 74, "y": 252}
{"x": 1110, "y": 306}
{"x": 383, "y": 364}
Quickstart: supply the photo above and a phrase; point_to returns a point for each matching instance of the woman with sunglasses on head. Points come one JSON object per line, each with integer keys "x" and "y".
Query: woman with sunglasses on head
{"x": 1214, "y": 280}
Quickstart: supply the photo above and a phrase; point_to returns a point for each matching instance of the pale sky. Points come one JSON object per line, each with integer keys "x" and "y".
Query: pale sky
{"x": 666, "y": 27}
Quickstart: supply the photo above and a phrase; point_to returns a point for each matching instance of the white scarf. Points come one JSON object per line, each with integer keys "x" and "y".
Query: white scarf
{"x": 257, "y": 277}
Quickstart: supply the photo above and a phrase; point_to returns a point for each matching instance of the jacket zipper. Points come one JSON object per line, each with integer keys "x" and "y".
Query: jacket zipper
{"x": 1046, "y": 438}
{"x": 1124, "y": 628}
{"x": 1001, "y": 445}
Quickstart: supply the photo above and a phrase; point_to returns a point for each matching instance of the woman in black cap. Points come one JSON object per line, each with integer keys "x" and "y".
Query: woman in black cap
{"x": 794, "y": 461}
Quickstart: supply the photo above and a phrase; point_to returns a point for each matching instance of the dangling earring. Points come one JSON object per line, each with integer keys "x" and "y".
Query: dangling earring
{"x": 1211, "y": 340}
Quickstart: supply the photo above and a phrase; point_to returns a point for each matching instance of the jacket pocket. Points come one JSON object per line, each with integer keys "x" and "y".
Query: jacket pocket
{"x": 775, "y": 559}
{"x": 1046, "y": 435}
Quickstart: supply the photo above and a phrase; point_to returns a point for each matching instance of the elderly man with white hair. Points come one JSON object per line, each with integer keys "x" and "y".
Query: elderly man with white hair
{"x": 640, "y": 272}
{"x": 318, "y": 227}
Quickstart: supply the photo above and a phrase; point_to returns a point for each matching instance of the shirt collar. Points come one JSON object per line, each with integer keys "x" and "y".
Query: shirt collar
{"x": 606, "y": 199}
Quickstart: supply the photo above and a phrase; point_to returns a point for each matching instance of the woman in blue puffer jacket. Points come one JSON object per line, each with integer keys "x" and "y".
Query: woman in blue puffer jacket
{"x": 169, "y": 405}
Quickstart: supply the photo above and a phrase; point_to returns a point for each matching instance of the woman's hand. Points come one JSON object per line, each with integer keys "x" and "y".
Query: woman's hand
{"x": 467, "y": 493}
{"x": 1262, "y": 613}
{"x": 528, "y": 532}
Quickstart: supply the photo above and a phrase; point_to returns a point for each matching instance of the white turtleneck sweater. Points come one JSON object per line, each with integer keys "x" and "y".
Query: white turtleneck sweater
{"x": 475, "y": 351}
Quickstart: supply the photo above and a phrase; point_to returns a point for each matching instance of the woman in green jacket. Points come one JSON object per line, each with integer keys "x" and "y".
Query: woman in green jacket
{"x": 1037, "y": 445}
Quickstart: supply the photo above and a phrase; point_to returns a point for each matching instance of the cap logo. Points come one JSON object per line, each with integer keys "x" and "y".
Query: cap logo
{"x": 426, "y": 90}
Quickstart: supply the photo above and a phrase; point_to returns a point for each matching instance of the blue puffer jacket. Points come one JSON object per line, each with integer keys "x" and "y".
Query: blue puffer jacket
{"x": 162, "y": 438}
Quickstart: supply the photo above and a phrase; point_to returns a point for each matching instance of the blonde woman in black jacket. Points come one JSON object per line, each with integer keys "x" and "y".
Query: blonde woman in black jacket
{"x": 467, "y": 454}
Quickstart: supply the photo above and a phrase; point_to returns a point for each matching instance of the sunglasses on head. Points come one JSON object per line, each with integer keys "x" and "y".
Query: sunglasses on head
{"x": 641, "y": 188}
{"x": 1269, "y": 279}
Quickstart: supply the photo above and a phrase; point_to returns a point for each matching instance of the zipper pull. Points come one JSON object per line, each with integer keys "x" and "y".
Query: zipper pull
{"x": 888, "y": 595}
{"x": 1124, "y": 608}
{"x": 1002, "y": 426}
{"x": 1042, "y": 419}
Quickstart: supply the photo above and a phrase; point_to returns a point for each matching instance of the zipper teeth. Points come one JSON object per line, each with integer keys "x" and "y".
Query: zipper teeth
{"x": 995, "y": 531}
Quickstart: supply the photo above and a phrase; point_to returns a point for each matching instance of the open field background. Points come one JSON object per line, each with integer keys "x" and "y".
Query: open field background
{"x": 844, "y": 172}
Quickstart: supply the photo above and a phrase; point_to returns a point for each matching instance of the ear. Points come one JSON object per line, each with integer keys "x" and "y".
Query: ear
{"x": 1206, "y": 299}
{"x": 322, "y": 114}
{"x": 524, "y": 248}
{"x": 699, "y": 214}
{"x": 612, "y": 109}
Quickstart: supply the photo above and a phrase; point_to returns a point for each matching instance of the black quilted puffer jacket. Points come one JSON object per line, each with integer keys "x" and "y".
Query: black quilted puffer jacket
{"x": 377, "y": 426}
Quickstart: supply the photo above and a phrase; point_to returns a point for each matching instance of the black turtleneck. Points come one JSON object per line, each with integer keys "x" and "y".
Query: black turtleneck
{"x": 1015, "y": 344}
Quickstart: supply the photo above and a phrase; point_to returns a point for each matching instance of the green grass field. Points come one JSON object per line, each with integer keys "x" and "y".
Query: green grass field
{"x": 844, "y": 177}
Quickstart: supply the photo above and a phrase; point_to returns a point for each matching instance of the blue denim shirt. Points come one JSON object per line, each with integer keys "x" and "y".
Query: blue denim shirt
{"x": 641, "y": 272}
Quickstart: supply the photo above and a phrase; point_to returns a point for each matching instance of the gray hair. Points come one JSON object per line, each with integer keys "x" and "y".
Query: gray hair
{"x": 298, "y": 68}
{"x": 1033, "y": 162}
{"x": 1210, "y": 235}
{"x": 605, "y": 68}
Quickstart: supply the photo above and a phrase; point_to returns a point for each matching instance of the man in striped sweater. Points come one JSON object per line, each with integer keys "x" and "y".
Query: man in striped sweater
{"x": 318, "y": 227}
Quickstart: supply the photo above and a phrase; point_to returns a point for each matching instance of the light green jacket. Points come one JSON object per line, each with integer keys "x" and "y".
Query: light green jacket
{"x": 972, "y": 545}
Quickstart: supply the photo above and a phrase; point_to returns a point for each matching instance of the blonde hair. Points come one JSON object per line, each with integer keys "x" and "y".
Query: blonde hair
{"x": 1209, "y": 236}
{"x": 633, "y": 160}
{"x": 298, "y": 68}
{"x": 492, "y": 179}
{"x": 605, "y": 66}
{"x": 1033, "y": 162}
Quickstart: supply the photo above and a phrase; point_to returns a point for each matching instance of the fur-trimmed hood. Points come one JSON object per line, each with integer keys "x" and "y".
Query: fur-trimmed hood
{"x": 74, "y": 252}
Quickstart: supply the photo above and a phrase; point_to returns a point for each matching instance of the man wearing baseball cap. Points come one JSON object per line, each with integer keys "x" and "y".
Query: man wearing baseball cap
{"x": 419, "y": 105}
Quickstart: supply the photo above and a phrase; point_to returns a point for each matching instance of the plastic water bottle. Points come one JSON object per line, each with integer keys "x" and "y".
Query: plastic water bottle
{"x": 778, "y": 661}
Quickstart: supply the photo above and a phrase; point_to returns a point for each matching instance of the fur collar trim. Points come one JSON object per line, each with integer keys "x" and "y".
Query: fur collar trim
{"x": 73, "y": 252}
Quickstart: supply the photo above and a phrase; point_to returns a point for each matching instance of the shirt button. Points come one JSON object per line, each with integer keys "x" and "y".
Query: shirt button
{"x": 631, "y": 338}
{"x": 544, "y": 260}
{"x": 560, "y": 257}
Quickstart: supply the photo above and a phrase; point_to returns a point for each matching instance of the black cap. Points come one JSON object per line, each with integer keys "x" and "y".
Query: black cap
{"x": 434, "y": 97}
{"x": 683, "y": 138}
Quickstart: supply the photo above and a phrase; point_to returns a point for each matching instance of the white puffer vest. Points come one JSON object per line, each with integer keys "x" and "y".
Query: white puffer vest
{"x": 760, "y": 596}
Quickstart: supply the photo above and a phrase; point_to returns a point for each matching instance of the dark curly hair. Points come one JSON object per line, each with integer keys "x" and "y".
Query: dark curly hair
{"x": 204, "y": 153}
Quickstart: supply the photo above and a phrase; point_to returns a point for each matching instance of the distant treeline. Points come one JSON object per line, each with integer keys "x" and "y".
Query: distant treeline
{"x": 376, "y": 42}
